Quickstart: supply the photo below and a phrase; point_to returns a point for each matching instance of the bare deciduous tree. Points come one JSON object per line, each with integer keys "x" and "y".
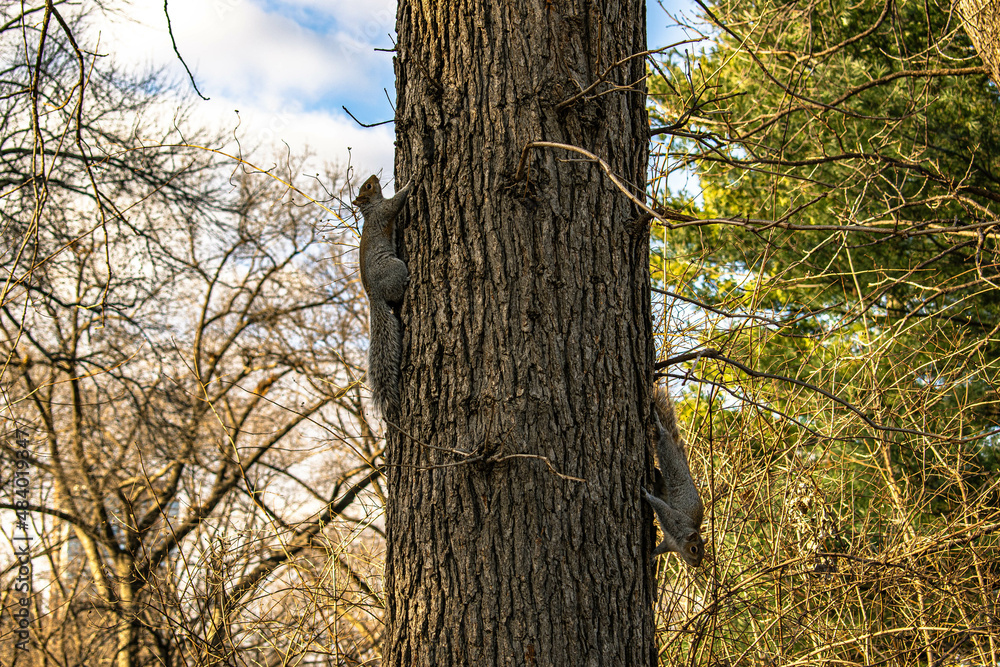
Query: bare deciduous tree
{"x": 182, "y": 355}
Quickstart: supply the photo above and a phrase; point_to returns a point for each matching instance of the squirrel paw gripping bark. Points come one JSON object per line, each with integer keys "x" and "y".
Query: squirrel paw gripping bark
{"x": 385, "y": 278}
{"x": 675, "y": 497}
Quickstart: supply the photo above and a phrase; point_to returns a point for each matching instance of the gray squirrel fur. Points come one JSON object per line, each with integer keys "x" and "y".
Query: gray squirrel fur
{"x": 675, "y": 497}
{"x": 384, "y": 277}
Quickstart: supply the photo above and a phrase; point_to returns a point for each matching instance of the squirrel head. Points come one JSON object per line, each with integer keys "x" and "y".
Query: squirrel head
{"x": 370, "y": 191}
{"x": 692, "y": 549}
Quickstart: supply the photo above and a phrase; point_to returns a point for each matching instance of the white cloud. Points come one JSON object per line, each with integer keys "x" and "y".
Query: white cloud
{"x": 286, "y": 66}
{"x": 243, "y": 49}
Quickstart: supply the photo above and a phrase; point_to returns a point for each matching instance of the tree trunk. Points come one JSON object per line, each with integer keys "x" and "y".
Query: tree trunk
{"x": 128, "y": 625}
{"x": 981, "y": 19}
{"x": 527, "y": 343}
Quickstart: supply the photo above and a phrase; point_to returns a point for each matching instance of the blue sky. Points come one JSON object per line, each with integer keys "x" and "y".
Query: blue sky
{"x": 289, "y": 66}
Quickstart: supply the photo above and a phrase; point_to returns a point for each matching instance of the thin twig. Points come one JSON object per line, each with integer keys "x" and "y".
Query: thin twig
{"x": 715, "y": 354}
{"x": 365, "y": 124}
{"x": 170, "y": 29}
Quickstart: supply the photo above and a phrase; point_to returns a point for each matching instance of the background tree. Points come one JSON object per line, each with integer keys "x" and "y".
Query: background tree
{"x": 182, "y": 355}
{"x": 840, "y": 261}
{"x": 515, "y": 528}
{"x": 981, "y": 19}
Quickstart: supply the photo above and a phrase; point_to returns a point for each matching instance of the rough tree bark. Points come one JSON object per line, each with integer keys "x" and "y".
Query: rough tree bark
{"x": 527, "y": 344}
{"x": 981, "y": 19}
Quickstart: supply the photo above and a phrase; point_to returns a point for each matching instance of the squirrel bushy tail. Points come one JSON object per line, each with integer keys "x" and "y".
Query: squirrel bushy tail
{"x": 664, "y": 409}
{"x": 384, "y": 357}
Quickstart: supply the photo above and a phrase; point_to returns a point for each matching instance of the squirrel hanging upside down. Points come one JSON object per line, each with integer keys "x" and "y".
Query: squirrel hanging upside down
{"x": 675, "y": 497}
